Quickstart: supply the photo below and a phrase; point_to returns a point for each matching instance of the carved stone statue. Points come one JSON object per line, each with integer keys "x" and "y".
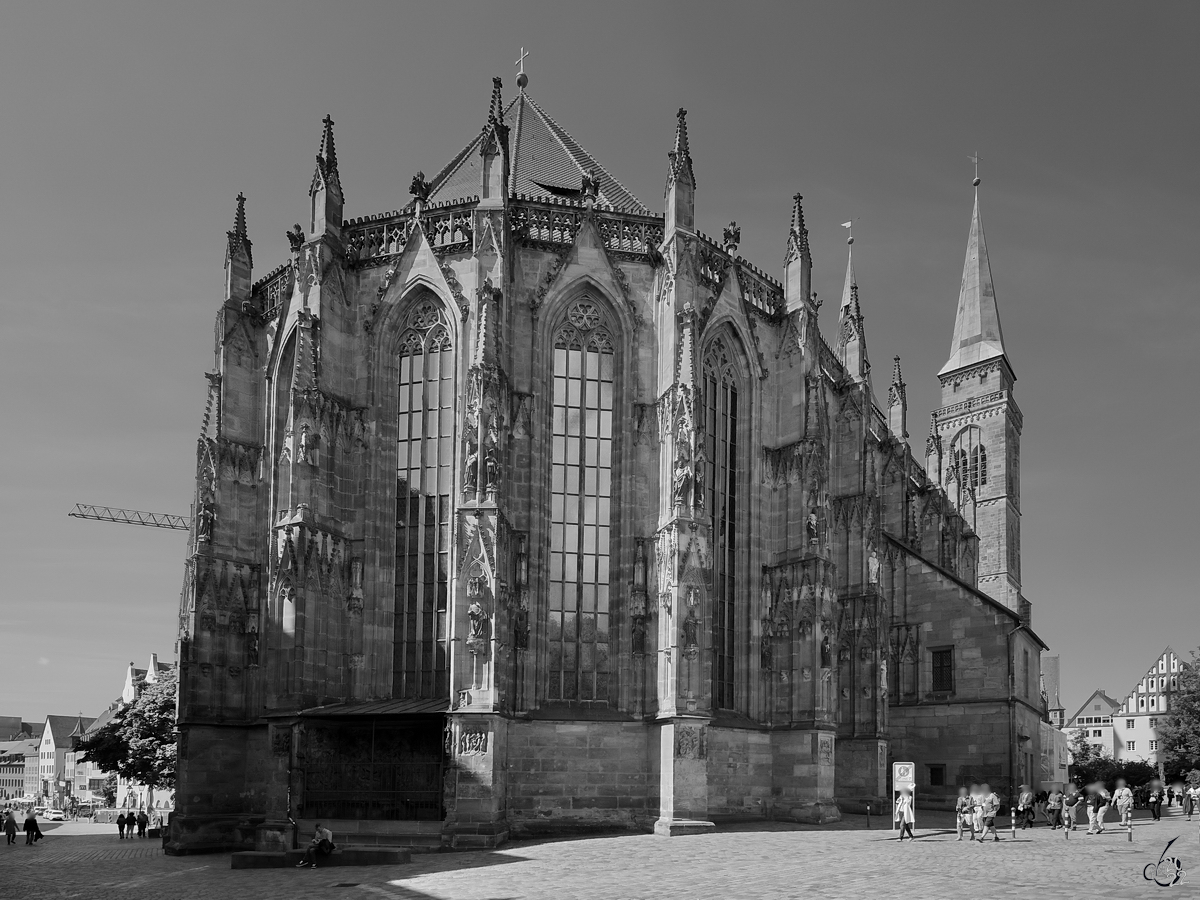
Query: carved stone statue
{"x": 883, "y": 677}
{"x": 691, "y": 631}
{"x": 698, "y": 477}
{"x": 812, "y": 529}
{"x": 826, "y": 653}
{"x": 681, "y": 483}
{"x": 305, "y": 448}
{"x": 873, "y": 567}
{"x": 766, "y": 652}
{"x": 296, "y": 238}
{"x": 252, "y": 643}
{"x": 471, "y": 474}
{"x": 521, "y": 628}
{"x": 639, "y": 634}
{"x": 491, "y": 464}
{"x": 205, "y": 521}
{"x": 478, "y": 620}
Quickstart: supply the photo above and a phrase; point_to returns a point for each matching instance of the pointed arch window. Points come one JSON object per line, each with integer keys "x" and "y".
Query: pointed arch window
{"x": 970, "y": 467}
{"x": 424, "y": 511}
{"x": 581, "y": 513}
{"x": 721, "y": 501}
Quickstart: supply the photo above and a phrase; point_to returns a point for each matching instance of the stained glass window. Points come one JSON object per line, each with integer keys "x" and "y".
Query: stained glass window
{"x": 425, "y": 470}
{"x": 580, "y": 521}
{"x": 721, "y": 503}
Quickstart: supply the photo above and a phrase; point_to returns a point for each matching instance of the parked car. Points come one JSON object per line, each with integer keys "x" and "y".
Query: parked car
{"x": 55, "y": 815}
{"x": 85, "y": 810}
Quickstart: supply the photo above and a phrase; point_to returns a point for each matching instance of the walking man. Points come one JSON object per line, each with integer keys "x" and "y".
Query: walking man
{"x": 991, "y": 806}
{"x": 1123, "y": 800}
{"x": 1025, "y": 807}
{"x": 121, "y": 825}
{"x": 1154, "y": 801}
{"x": 904, "y": 813}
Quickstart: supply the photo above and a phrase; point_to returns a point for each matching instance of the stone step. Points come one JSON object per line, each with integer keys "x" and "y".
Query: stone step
{"x": 343, "y": 856}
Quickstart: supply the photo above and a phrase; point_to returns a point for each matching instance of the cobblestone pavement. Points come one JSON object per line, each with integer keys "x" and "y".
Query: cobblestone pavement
{"x": 742, "y": 861}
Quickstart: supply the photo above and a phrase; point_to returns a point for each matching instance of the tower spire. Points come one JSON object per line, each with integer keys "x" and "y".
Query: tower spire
{"x": 680, "y": 155}
{"x": 977, "y": 333}
{"x": 328, "y": 150}
{"x": 238, "y": 238}
{"x": 852, "y": 337}
{"x": 898, "y": 403}
{"x": 325, "y": 192}
{"x": 797, "y": 260}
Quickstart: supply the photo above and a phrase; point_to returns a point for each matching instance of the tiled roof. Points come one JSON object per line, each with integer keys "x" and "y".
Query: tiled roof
{"x": 62, "y": 727}
{"x": 545, "y": 161}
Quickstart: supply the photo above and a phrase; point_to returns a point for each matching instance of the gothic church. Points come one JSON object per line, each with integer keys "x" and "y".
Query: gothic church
{"x": 526, "y": 508}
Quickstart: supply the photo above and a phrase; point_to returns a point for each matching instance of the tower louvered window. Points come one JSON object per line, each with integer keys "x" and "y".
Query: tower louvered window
{"x": 720, "y": 501}
{"x": 580, "y": 515}
{"x": 424, "y": 476}
{"x": 970, "y": 461}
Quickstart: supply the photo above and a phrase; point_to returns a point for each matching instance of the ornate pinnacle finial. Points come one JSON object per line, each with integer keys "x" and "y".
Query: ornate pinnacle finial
{"x": 522, "y": 78}
{"x": 328, "y": 151}
{"x": 239, "y": 219}
{"x": 732, "y": 236}
{"x": 680, "y": 155}
{"x": 798, "y": 228}
{"x": 496, "y": 108}
{"x": 797, "y": 240}
{"x": 897, "y": 377}
{"x": 238, "y": 239}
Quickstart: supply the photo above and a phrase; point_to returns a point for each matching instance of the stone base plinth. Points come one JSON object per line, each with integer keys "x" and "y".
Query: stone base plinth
{"x": 677, "y": 827}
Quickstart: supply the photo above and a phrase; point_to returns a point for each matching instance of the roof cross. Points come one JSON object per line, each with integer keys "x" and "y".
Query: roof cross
{"x": 522, "y": 78}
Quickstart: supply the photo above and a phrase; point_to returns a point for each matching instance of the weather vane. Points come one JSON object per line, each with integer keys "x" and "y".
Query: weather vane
{"x": 522, "y": 78}
{"x": 850, "y": 227}
{"x": 975, "y": 159}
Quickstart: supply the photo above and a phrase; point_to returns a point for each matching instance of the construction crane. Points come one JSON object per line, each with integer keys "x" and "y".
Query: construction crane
{"x": 130, "y": 517}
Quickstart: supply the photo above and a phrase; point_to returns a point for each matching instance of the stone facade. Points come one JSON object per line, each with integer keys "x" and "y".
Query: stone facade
{"x": 525, "y": 509}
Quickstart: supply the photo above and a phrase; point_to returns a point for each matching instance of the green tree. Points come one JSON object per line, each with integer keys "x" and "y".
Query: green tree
{"x": 110, "y": 790}
{"x": 1082, "y": 750}
{"x": 138, "y": 743}
{"x": 1179, "y": 729}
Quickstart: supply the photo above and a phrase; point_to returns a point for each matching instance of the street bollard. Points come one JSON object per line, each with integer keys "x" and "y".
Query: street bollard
{"x": 1013, "y": 818}
{"x": 1129, "y": 832}
{"x": 868, "y": 816}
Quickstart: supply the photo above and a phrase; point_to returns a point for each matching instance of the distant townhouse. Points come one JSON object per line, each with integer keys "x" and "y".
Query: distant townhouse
{"x": 12, "y": 766}
{"x": 1135, "y": 724}
{"x": 58, "y": 739}
{"x": 1095, "y": 720}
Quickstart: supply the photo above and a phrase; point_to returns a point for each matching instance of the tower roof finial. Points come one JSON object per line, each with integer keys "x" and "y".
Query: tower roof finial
{"x": 238, "y": 238}
{"x": 522, "y": 78}
{"x": 975, "y": 159}
{"x": 797, "y": 240}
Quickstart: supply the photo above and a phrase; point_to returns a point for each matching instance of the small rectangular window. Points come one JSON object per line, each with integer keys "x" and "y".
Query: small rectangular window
{"x": 937, "y": 776}
{"x": 1154, "y": 723}
{"x": 1130, "y": 723}
{"x": 1131, "y": 745}
{"x": 1154, "y": 745}
{"x": 943, "y": 670}
{"x": 1095, "y": 732}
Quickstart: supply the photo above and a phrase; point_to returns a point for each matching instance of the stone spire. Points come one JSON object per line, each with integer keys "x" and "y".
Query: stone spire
{"x": 238, "y": 239}
{"x": 852, "y": 337}
{"x": 797, "y": 261}
{"x": 898, "y": 403}
{"x": 680, "y": 156}
{"x": 494, "y": 150}
{"x": 325, "y": 191}
{"x": 977, "y": 334}
{"x": 239, "y": 261}
{"x": 681, "y": 181}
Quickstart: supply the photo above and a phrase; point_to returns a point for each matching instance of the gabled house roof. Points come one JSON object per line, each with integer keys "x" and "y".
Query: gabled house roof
{"x": 1107, "y": 703}
{"x": 62, "y": 727}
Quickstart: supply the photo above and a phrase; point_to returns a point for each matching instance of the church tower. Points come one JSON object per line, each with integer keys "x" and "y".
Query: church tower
{"x": 977, "y": 430}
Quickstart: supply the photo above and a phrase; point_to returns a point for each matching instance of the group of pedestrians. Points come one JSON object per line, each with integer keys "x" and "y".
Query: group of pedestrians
{"x": 33, "y": 831}
{"x": 976, "y": 810}
{"x": 139, "y": 821}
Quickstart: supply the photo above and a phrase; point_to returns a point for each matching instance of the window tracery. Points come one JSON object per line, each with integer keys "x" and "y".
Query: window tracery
{"x": 424, "y": 509}
{"x": 581, "y": 513}
{"x": 721, "y": 461}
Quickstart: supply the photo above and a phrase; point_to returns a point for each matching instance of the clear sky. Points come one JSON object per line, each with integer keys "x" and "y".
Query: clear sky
{"x": 128, "y": 130}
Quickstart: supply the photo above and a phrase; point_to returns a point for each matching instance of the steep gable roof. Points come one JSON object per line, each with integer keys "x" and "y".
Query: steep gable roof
{"x": 1105, "y": 701}
{"x": 61, "y": 727}
{"x": 544, "y": 162}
